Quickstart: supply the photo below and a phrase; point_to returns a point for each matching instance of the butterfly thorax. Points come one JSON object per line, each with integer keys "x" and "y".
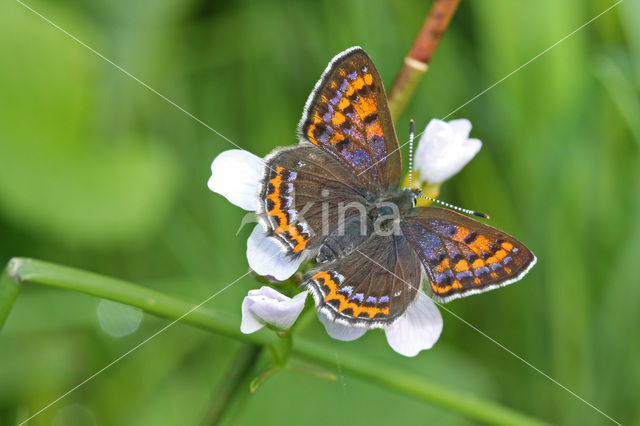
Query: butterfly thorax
{"x": 381, "y": 216}
{"x": 394, "y": 202}
{"x": 384, "y": 212}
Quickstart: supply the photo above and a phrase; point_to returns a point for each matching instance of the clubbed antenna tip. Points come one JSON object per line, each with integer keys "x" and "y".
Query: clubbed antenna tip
{"x": 460, "y": 209}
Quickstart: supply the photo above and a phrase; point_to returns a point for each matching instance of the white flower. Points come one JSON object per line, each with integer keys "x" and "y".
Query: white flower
{"x": 268, "y": 306}
{"x": 444, "y": 149}
{"x": 236, "y": 174}
{"x": 418, "y": 329}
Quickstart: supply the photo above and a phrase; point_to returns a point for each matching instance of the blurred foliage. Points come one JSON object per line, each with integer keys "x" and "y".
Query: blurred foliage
{"x": 99, "y": 173}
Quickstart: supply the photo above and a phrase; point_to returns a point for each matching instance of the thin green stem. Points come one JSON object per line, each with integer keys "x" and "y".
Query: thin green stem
{"x": 9, "y": 288}
{"x": 258, "y": 381}
{"x": 30, "y": 271}
{"x": 49, "y": 274}
{"x": 314, "y": 371}
{"x": 417, "y": 387}
{"x": 230, "y": 384}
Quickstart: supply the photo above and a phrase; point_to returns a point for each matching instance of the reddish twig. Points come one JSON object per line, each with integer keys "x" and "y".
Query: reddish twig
{"x": 417, "y": 60}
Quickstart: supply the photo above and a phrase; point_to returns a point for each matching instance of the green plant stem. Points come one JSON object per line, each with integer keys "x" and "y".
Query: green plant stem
{"x": 31, "y": 271}
{"x": 39, "y": 272}
{"x": 9, "y": 289}
{"x": 417, "y": 387}
{"x": 419, "y": 57}
{"x": 238, "y": 371}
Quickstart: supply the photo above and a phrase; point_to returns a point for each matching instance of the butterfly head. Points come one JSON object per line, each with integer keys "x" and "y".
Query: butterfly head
{"x": 415, "y": 194}
{"x": 403, "y": 198}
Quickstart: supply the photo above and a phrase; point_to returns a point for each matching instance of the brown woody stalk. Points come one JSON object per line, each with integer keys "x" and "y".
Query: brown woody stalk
{"x": 417, "y": 60}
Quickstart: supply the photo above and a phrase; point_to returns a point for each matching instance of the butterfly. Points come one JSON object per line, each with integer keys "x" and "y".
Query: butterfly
{"x": 336, "y": 196}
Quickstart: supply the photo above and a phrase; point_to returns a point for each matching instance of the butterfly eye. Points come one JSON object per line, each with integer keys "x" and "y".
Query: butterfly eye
{"x": 415, "y": 194}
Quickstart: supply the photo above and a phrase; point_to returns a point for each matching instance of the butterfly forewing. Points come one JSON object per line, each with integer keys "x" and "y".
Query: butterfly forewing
{"x": 463, "y": 256}
{"x": 348, "y": 116}
{"x": 298, "y": 183}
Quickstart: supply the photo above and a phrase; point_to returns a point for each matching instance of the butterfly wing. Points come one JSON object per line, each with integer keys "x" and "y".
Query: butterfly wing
{"x": 463, "y": 256}
{"x": 370, "y": 287}
{"x": 348, "y": 116}
{"x": 300, "y": 184}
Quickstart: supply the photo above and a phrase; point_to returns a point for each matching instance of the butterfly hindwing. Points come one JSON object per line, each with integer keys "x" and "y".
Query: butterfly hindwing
{"x": 370, "y": 287}
{"x": 298, "y": 184}
{"x": 348, "y": 116}
{"x": 463, "y": 256}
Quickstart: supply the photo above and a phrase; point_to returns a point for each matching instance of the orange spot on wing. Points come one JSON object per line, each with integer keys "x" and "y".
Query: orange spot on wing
{"x": 312, "y": 128}
{"x": 365, "y": 106}
{"x": 374, "y": 129}
{"x": 358, "y": 83}
{"x": 461, "y": 266}
{"x": 333, "y": 294}
{"x": 478, "y": 263}
{"x": 350, "y": 90}
{"x": 507, "y": 246}
{"x": 461, "y": 234}
{"x": 344, "y": 102}
{"x": 337, "y": 137}
{"x": 498, "y": 256}
{"x": 443, "y": 266}
{"x": 368, "y": 79}
{"x": 338, "y": 118}
{"x": 283, "y": 221}
{"x": 440, "y": 290}
{"x": 480, "y": 245}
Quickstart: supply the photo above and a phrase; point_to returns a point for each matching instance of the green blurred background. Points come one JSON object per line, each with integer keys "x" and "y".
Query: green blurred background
{"x": 97, "y": 172}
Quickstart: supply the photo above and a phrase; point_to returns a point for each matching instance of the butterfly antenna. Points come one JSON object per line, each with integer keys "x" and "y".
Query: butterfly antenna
{"x": 460, "y": 209}
{"x": 451, "y": 206}
{"x": 411, "y": 131}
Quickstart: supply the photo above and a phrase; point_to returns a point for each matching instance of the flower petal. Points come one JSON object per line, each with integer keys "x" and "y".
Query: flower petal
{"x": 250, "y": 322}
{"x": 267, "y": 258}
{"x": 444, "y": 149}
{"x": 269, "y": 292}
{"x": 267, "y": 305}
{"x": 417, "y": 330}
{"x": 339, "y": 331}
{"x": 235, "y": 174}
{"x": 280, "y": 313}
{"x": 461, "y": 128}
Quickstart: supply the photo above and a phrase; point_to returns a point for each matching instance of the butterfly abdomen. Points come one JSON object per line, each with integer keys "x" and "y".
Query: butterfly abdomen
{"x": 345, "y": 238}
